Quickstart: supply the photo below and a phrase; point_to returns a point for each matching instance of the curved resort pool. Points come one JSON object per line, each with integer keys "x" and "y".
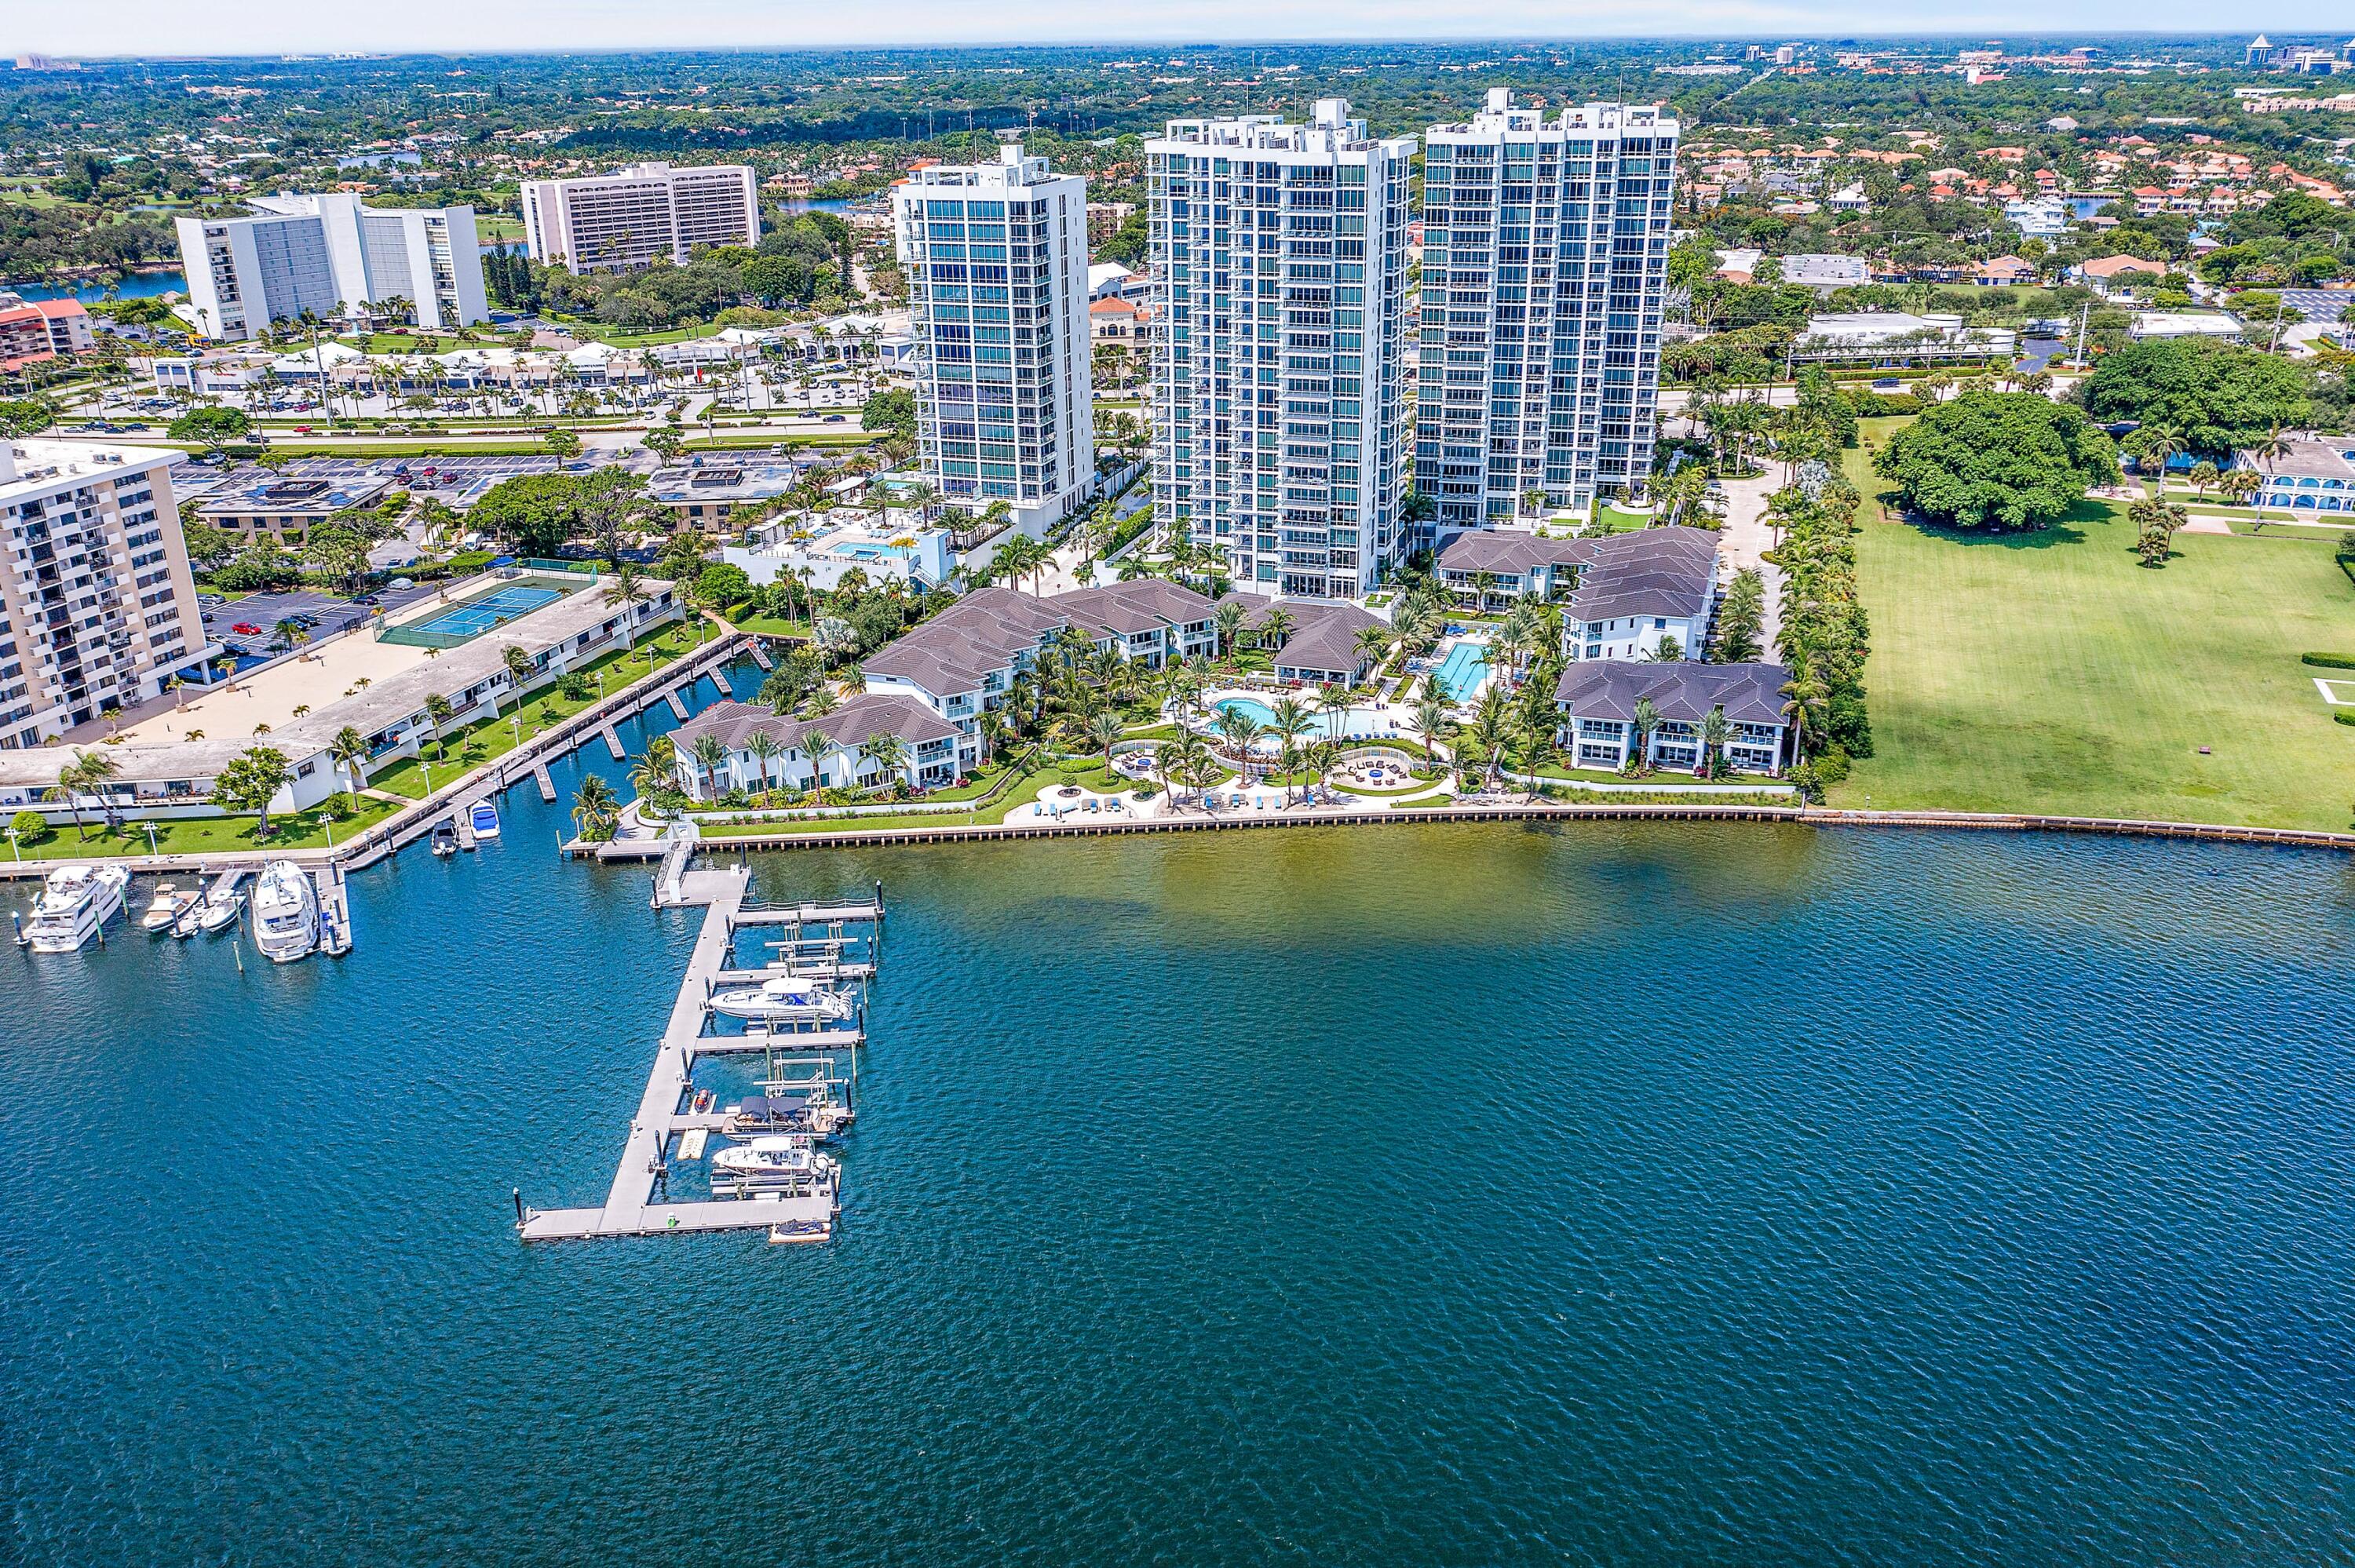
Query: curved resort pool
{"x": 1352, "y": 723}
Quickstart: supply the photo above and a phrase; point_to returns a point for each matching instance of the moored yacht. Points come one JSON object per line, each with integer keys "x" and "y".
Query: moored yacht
{"x": 165, "y": 908}
{"x": 75, "y": 902}
{"x": 818, "y": 1115}
{"x": 286, "y": 912}
{"x": 222, "y": 905}
{"x": 785, "y": 1164}
{"x": 786, "y": 999}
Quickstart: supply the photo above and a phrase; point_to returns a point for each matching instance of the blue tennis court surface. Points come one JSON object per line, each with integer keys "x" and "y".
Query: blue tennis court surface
{"x": 474, "y": 620}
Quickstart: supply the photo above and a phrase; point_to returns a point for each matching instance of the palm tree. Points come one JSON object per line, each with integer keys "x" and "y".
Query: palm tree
{"x": 1226, "y": 620}
{"x": 1288, "y": 721}
{"x": 519, "y": 669}
{"x": 1491, "y": 727}
{"x": 1539, "y": 746}
{"x": 350, "y": 750}
{"x": 821, "y": 702}
{"x": 655, "y": 771}
{"x": 887, "y": 752}
{"x": 2267, "y": 452}
{"x": 1430, "y": 718}
{"x": 438, "y": 712}
{"x": 2156, "y": 445}
{"x": 1647, "y": 724}
{"x": 1374, "y": 645}
{"x": 629, "y": 590}
{"x": 1276, "y": 625}
{"x": 1484, "y": 583}
{"x": 710, "y": 754}
{"x": 1238, "y": 729}
{"x": 596, "y": 810}
{"x": 1319, "y": 758}
{"x": 292, "y": 632}
{"x": 1185, "y": 759}
{"x": 1715, "y": 731}
{"x": 66, "y": 790}
{"x": 1105, "y": 728}
{"x": 764, "y": 746}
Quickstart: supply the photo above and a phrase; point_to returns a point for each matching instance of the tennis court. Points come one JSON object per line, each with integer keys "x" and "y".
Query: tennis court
{"x": 474, "y": 620}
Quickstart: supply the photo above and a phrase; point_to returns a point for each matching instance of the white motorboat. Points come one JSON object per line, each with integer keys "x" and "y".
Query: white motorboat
{"x": 445, "y": 841}
{"x": 222, "y": 905}
{"x": 286, "y": 912}
{"x": 787, "y": 998}
{"x": 786, "y": 1163}
{"x": 163, "y": 910}
{"x": 75, "y": 902}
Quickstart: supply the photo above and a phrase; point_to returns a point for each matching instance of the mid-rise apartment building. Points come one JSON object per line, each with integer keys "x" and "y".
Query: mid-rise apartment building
{"x": 330, "y": 255}
{"x": 96, "y": 607}
{"x": 34, "y": 331}
{"x": 1280, "y": 422}
{"x": 613, "y": 222}
{"x": 997, "y": 260}
{"x": 1545, "y": 248}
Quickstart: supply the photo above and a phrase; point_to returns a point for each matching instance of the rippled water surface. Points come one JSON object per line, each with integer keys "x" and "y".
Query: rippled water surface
{"x": 1625, "y": 1194}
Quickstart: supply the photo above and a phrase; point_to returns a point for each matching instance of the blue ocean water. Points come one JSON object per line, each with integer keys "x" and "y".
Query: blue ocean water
{"x": 1615, "y": 1193}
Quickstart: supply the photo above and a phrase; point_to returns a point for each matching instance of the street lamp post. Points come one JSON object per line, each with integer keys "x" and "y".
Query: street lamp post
{"x": 151, "y": 838}
{"x": 327, "y": 825}
{"x": 15, "y": 845}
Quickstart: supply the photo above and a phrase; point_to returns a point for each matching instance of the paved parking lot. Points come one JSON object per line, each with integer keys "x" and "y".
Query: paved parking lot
{"x": 267, "y": 609}
{"x": 2318, "y": 305}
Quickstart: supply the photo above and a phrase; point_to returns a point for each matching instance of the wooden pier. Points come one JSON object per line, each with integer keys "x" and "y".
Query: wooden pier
{"x": 761, "y": 655}
{"x": 614, "y": 742}
{"x": 631, "y": 1206}
{"x": 547, "y": 784}
{"x": 677, "y": 702}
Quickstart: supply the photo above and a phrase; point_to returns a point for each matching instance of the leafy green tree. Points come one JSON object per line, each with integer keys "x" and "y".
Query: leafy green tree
{"x": 250, "y": 780}
{"x": 2217, "y": 398}
{"x": 720, "y": 585}
{"x": 893, "y": 412}
{"x": 21, "y": 416}
{"x": 30, "y": 827}
{"x": 212, "y": 428}
{"x": 1997, "y": 459}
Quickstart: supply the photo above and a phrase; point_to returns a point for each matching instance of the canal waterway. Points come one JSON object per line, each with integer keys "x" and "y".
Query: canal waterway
{"x": 1598, "y": 1193}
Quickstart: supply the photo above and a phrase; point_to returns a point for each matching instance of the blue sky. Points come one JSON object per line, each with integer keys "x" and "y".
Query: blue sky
{"x": 270, "y": 26}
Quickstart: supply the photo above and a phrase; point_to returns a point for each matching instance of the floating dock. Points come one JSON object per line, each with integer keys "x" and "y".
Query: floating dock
{"x": 613, "y": 741}
{"x": 630, "y": 1207}
{"x": 761, "y": 655}
{"x": 677, "y": 702}
{"x": 539, "y": 775}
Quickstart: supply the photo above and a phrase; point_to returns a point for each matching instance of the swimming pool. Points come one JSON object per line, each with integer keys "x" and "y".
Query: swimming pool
{"x": 1347, "y": 723}
{"x": 1463, "y": 669}
{"x": 864, "y": 552}
{"x": 479, "y": 616}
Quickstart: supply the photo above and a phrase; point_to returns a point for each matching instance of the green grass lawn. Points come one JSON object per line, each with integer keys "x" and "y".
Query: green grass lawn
{"x": 2050, "y": 672}
{"x": 1020, "y": 795}
{"x": 210, "y": 836}
{"x": 770, "y": 626}
{"x": 487, "y": 739}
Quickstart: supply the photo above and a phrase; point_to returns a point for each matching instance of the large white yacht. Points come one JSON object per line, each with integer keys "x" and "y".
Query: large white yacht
{"x": 286, "y": 912}
{"x": 74, "y": 903}
{"x": 787, "y": 998}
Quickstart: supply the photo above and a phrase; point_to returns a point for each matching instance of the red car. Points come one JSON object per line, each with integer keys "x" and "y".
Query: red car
{"x": 246, "y": 629}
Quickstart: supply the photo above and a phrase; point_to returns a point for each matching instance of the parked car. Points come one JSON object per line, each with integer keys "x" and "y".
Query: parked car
{"x": 246, "y": 629}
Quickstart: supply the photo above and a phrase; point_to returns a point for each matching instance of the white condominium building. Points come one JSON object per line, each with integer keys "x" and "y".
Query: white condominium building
{"x": 329, "y": 254}
{"x": 1281, "y": 424}
{"x": 612, "y": 222}
{"x": 97, "y": 609}
{"x": 1545, "y": 249}
{"x": 996, "y": 259}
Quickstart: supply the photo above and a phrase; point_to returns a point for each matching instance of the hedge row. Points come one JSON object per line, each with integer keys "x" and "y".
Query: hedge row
{"x": 2328, "y": 661}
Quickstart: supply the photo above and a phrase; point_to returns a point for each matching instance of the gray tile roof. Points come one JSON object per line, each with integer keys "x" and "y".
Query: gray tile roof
{"x": 874, "y": 713}
{"x": 1609, "y": 689}
{"x": 1653, "y": 571}
{"x": 1506, "y": 551}
{"x": 988, "y": 628}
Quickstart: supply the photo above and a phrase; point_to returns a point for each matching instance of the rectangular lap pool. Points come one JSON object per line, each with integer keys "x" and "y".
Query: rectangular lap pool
{"x": 1462, "y": 671}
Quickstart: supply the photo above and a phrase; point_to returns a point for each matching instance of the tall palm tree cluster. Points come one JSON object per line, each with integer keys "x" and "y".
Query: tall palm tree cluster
{"x": 1825, "y": 635}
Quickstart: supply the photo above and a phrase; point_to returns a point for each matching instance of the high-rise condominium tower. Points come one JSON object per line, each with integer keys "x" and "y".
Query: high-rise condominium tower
{"x": 1545, "y": 252}
{"x": 1281, "y": 424}
{"x": 997, "y": 257}
{"x": 613, "y": 222}
{"x": 329, "y": 253}
{"x": 96, "y": 607}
